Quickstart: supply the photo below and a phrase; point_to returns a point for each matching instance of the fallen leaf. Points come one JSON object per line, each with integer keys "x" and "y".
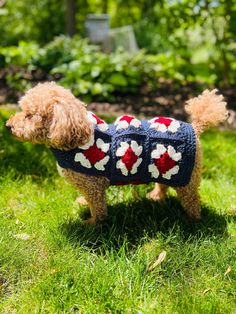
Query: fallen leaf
{"x": 22, "y": 236}
{"x": 159, "y": 260}
{"x": 206, "y": 290}
{"x": 229, "y": 269}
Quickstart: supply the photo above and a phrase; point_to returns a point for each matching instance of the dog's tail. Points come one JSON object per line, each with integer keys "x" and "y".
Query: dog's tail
{"x": 206, "y": 110}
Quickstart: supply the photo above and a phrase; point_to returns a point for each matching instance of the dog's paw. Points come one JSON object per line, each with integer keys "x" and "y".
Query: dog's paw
{"x": 94, "y": 221}
{"x": 155, "y": 196}
{"x": 90, "y": 221}
{"x": 194, "y": 217}
{"x": 81, "y": 200}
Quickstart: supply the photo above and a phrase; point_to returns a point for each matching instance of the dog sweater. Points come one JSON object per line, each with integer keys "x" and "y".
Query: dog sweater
{"x": 132, "y": 151}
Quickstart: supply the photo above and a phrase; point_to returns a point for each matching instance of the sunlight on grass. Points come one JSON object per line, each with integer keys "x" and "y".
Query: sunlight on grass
{"x": 51, "y": 263}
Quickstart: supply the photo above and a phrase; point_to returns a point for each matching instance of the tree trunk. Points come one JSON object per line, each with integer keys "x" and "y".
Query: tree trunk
{"x": 105, "y": 6}
{"x": 70, "y": 16}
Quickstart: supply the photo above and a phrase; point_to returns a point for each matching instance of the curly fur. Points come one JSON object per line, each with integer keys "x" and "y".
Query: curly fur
{"x": 53, "y": 116}
{"x": 206, "y": 110}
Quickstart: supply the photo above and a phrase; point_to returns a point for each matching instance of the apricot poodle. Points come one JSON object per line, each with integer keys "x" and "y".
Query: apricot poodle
{"x": 93, "y": 155}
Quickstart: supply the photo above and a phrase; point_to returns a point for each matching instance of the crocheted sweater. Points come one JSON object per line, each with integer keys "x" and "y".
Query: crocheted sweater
{"x": 132, "y": 151}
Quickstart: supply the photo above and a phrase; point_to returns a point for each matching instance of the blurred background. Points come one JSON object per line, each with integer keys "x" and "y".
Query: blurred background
{"x": 142, "y": 56}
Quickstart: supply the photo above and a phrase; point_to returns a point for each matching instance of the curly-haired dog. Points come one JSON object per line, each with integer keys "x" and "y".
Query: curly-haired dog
{"x": 92, "y": 154}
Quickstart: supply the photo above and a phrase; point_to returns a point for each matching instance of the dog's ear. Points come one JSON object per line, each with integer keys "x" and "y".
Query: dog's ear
{"x": 70, "y": 127}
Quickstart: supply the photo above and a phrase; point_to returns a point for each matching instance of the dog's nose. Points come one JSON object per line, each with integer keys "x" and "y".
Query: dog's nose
{"x": 8, "y": 127}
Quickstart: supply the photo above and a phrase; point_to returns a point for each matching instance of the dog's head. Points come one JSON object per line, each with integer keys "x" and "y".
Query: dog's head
{"x": 53, "y": 116}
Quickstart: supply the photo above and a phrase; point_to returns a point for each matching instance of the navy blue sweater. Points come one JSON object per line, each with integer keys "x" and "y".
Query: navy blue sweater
{"x": 133, "y": 151}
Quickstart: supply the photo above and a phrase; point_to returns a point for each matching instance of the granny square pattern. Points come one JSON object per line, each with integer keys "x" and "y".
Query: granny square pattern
{"x": 132, "y": 151}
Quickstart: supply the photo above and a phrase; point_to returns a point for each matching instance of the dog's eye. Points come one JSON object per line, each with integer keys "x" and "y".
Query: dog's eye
{"x": 28, "y": 116}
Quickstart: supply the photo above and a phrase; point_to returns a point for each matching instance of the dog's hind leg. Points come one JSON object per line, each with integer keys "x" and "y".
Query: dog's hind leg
{"x": 190, "y": 200}
{"x": 158, "y": 193}
{"x": 189, "y": 194}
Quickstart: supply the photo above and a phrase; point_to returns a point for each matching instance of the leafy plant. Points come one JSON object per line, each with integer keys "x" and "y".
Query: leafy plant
{"x": 90, "y": 73}
{"x": 96, "y": 73}
{"x": 21, "y": 55}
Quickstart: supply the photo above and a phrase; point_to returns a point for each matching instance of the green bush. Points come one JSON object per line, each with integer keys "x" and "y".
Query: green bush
{"x": 88, "y": 71}
{"x": 203, "y": 30}
{"x": 38, "y": 20}
{"x": 61, "y": 50}
{"x": 95, "y": 73}
{"x": 21, "y": 55}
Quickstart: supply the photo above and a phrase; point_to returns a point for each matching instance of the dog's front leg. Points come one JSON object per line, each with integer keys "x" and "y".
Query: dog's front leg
{"x": 93, "y": 188}
{"x": 95, "y": 196}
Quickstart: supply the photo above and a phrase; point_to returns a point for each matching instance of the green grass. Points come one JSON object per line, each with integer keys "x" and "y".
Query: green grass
{"x": 65, "y": 267}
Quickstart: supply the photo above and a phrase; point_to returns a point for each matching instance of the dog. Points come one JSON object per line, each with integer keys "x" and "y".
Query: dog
{"x": 93, "y": 155}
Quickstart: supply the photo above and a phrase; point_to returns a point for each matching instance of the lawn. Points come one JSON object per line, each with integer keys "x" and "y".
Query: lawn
{"x": 51, "y": 263}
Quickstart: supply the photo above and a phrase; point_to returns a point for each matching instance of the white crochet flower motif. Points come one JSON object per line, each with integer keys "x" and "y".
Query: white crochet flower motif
{"x": 102, "y": 125}
{"x": 129, "y": 161}
{"x": 94, "y": 154}
{"x": 164, "y": 124}
{"x": 124, "y": 122}
{"x": 164, "y": 162}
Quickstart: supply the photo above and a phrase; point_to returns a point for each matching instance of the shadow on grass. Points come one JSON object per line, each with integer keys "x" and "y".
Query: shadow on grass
{"x": 144, "y": 218}
{"x": 19, "y": 158}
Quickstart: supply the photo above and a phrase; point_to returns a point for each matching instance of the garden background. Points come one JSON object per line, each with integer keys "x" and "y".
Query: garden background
{"x": 185, "y": 46}
{"x": 49, "y": 261}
